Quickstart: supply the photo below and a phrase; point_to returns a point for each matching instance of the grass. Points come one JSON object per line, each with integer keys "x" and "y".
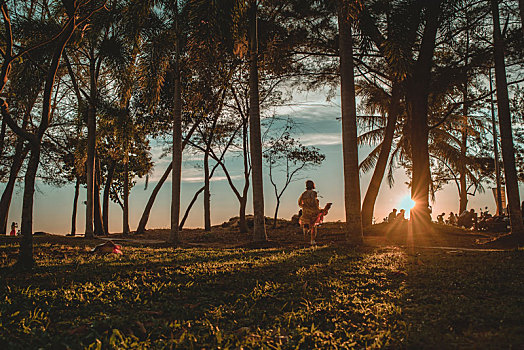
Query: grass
{"x": 325, "y": 297}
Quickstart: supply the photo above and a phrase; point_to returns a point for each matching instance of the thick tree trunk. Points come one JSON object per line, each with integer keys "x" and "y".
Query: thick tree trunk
{"x": 368, "y": 206}
{"x": 7, "y": 195}
{"x": 349, "y": 129}
{"x": 417, "y": 98}
{"x": 207, "y": 193}
{"x": 463, "y": 200}
{"x": 107, "y": 189}
{"x": 25, "y": 257}
{"x": 255, "y": 137}
{"x": 125, "y": 216}
{"x": 506, "y": 134}
{"x": 75, "y": 207}
{"x": 174, "y": 236}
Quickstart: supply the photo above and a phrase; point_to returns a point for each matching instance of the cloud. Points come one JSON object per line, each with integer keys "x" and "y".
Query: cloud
{"x": 321, "y": 139}
{"x": 311, "y": 111}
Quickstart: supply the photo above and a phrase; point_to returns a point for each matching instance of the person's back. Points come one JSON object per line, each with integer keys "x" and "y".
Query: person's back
{"x": 392, "y": 216}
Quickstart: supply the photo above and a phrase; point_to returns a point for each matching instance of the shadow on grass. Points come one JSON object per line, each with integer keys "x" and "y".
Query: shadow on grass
{"x": 302, "y": 298}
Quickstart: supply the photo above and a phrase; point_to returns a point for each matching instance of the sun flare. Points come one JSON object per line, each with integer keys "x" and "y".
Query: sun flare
{"x": 407, "y": 204}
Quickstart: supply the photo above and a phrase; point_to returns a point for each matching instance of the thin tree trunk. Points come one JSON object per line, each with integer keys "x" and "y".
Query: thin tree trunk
{"x": 75, "y": 206}
{"x": 207, "y": 193}
{"x": 25, "y": 257}
{"x": 506, "y": 134}
{"x": 7, "y": 195}
{"x": 2, "y": 136}
{"x": 463, "y": 201}
{"x": 417, "y": 98}
{"x": 255, "y": 137}
{"x": 147, "y": 210}
{"x": 107, "y": 189}
{"x": 98, "y": 221}
{"x": 349, "y": 129}
{"x": 521, "y": 11}
{"x": 190, "y": 205}
{"x": 91, "y": 149}
{"x": 125, "y": 216}
{"x": 149, "y": 205}
{"x": 174, "y": 236}
{"x": 276, "y": 213}
{"x": 368, "y": 206}
{"x": 242, "y": 222}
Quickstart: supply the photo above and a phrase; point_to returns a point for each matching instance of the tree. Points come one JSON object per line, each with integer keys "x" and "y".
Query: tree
{"x": 506, "y": 134}
{"x": 289, "y": 157}
{"x": 353, "y": 229}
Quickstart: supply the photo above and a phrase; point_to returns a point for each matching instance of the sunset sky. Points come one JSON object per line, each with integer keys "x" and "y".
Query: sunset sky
{"x": 319, "y": 127}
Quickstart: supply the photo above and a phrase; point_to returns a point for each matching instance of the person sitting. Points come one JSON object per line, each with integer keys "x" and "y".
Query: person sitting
{"x": 440, "y": 218}
{"x": 452, "y": 219}
{"x": 392, "y": 216}
{"x": 400, "y": 216}
{"x": 468, "y": 219}
{"x": 14, "y": 225}
{"x": 312, "y": 214}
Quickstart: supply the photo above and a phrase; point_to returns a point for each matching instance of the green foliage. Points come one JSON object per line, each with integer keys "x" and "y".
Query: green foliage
{"x": 304, "y": 298}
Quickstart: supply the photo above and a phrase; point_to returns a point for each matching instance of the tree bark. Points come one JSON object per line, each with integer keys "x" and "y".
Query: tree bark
{"x": 147, "y": 210}
{"x": 91, "y": 149}
{"x": 463, "y": 200}
{"x": 368, "y": 206}
{"x": 349, "y": 129}
{"x": 417, "y": 101}
{"x": 207, "y": 193}
{"x": 7, "y": 195}
{"x": 506, "y": 133}
{"x": 107, "y": 190}
{"x": 125, "y": 216}
{"x": 276, "y": 213}
{"x": 98, "y": 221}
{"x": 174, "y": 236}
{"x": 75, "y": 206}
{"x": 25, "y": 257}
{"x": 521, "y": 11}
{"x": 255, "y": 137}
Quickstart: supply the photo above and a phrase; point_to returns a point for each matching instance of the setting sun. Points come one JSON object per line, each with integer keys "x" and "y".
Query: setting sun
{"x": 407, "y": 204}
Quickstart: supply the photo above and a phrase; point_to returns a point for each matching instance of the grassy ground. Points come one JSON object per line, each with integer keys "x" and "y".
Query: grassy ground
{"x": 287, "y": 297}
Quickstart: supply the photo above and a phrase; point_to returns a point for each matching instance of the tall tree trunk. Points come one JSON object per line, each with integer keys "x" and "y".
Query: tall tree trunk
{"x": 417, "y": 98}
{"x": 189, "y": 206}
{"x": 242, "y": 222}
{"x": 107, "y": 190}
{"x": 207, "y": 193}
{"x": 75, "y": 206}
{"x": 463, "y": 201}
{"x": 91, "y": 149}
{"x": 255, "y": 137}
{"x": 368, "y": 206}
{"x": 506, "y": 134}
{"x": 174, "y": 236}
{"x": 7, "y": 195}
{"x": 125, "y": 216}
{"x": 25, "y": 257}
{"x": 521, "y": 10}
{"x": 349, "y": 128}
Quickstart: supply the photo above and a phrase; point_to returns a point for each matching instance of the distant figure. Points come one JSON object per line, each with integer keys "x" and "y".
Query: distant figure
{"x": 312, "y": 214}
{"x": 440, "y": 218}
{"x": 14, "y": 225}
{"x": 400, "y": 217}
{"x": 452, "y": 219}
{"x": 392, "y": 216}
{"x": 468, "y": 219}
